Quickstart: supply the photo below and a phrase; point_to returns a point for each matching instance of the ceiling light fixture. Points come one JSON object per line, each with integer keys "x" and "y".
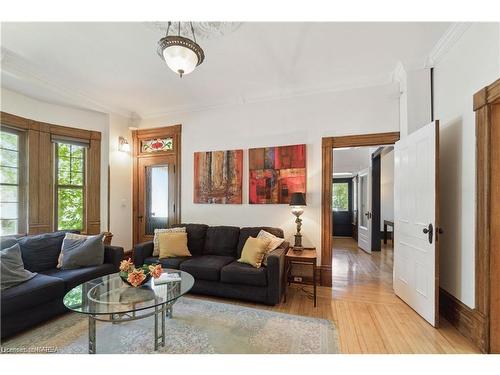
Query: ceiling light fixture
{"x": 181, "y": 54}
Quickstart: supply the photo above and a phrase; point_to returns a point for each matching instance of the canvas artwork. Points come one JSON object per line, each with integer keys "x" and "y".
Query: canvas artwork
{"x": 218, "y": 177}
{"x": 276, "y": 173}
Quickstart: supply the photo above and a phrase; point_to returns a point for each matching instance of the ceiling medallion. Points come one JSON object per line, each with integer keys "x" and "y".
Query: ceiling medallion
{"x": 181, "y": 54}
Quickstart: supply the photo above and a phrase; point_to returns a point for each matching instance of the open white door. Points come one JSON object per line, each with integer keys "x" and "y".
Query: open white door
{"x": 416, "y": 221}
{"x": 364, "y": 208}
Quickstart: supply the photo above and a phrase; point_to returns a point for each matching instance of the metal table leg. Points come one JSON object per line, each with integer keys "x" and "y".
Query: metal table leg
{"x": 92, "y": 341}
{"x": 169, "y": 308}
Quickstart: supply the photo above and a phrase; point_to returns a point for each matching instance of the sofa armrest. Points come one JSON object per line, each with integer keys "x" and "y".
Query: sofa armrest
{"x": 275, "y": 273}
{"x": 142, "y": 251}
{"x": 113, "y": 255}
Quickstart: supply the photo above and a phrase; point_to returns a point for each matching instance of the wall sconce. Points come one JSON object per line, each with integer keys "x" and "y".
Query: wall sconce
{"x": 123, "y": 144}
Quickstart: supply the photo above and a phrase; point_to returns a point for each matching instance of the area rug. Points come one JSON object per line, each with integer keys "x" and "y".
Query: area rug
{"x": 197, "y": 327}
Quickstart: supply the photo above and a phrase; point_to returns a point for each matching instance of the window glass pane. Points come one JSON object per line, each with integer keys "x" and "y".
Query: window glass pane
{"x": 156, "y": 198}
{"x": 9, "y": 158}
{"x": 64, "y": 164}
{"x": 69, "y": 208}
{"x": 8, "y": 227}
{"x": 8, "y": 193}
{"x": 9, "y": 141}
{"x": 157, "y": 144}
{"x": 341, "y": 196}
{"x": 64, "y": 177}
{"x": 63, "y": 150}
{"x": 70, "y": 179}
{"x": 77, "y": 152}
{"x": 77, "y": 179}
{"x": 8, "y": 175}
{"x": 9, "y": 210}
{"x": 363, "y": 198}
{"x": 76, "y": 165}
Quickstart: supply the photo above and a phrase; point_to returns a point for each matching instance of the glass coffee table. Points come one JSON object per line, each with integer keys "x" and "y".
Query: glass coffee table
{"x": 109, "y": 299}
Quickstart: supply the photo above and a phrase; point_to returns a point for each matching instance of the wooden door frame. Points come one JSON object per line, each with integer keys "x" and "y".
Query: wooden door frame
{"x": 327, "y": 147}
{"x": 173, "y": 131}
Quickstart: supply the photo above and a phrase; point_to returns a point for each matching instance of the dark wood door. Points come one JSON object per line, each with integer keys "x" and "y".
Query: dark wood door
{"x": 342, "y": 207}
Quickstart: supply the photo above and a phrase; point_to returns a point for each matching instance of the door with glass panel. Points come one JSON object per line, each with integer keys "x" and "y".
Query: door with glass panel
{"x": 156, "y": 203}
{"x": 365, "y": 207}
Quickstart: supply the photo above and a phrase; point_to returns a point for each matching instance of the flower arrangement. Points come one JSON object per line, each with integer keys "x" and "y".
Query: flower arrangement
{"x": 138, "y": 276}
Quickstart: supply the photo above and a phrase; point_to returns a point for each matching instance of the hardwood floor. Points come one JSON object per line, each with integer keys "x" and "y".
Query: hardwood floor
{"x": 368, "y": 315}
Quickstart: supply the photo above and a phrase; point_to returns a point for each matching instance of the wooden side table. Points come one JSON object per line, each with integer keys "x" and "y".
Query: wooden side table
{"x": 308, "y": 257}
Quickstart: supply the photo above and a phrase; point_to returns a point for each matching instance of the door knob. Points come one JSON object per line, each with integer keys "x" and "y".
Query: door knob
{"x": 429, "y": 231}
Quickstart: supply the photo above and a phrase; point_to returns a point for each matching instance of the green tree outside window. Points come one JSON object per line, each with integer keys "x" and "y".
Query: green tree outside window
{"x": 340, "y": 196}
{"x": 70, "y": 168}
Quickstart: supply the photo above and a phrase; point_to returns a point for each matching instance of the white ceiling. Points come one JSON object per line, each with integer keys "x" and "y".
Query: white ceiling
{"x": 114, "y": 66}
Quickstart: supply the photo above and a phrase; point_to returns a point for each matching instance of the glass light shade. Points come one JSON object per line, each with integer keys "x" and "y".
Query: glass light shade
{"x": 180, "y": 59}
{"x": 123, "y": 144}
{"x": 297, "y": 210}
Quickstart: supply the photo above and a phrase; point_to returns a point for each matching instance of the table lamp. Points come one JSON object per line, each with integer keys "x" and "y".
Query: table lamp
{"x": 298, "y": 202}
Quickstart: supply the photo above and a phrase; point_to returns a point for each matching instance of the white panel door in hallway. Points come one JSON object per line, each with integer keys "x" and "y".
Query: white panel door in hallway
{"x": 365, "y": 208}
{"x": 416, "y": 277}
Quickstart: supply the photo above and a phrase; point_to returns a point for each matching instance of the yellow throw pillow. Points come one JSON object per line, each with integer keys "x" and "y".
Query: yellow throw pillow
{"x": 254, "y": 250}
{"x": 173, "y": 245}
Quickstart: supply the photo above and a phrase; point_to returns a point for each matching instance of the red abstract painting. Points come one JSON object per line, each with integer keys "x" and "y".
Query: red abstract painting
{"x": 218, "y": 177}
{"x": 276, "y": 173}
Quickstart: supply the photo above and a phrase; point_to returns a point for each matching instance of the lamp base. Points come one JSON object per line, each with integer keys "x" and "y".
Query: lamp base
{"x": 298, "y": 242}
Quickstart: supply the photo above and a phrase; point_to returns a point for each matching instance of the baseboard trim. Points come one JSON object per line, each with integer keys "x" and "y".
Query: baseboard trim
{"x": 325, "y": 272}
{"x": 469, "y": 322}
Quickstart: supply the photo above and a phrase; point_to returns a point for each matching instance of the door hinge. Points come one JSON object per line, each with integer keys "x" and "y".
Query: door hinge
{"x": 174, "y": 207}
{"x": 174, "y": 168}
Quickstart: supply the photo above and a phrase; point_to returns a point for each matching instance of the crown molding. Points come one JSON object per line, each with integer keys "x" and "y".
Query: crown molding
{"x": 19, "y": 68}
{"x": 450, "y": 37}
{"x": 365, "y": 82}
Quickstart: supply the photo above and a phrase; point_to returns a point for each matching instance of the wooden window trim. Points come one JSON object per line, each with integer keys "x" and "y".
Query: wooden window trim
{"x": 41, "y": 169}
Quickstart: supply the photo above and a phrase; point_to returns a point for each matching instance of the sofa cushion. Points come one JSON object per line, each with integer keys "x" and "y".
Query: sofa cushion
{"x": 206, "y": 267}
{"x": 254, "y": 232}
{"x": 167, "y": 262}
{"x": 245, "y": 274}
{"x": 41, "y": 252}
{"x": 222, "y": 240}
{"x": 196, "y": 236}
{"x": 12, "y": 270}
{"x": 74, "y": 277}
{"x": 81, "y": 251}
{"x": 32, "y": 293}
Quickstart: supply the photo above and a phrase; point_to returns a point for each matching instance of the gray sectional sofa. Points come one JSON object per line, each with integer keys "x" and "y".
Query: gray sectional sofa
{"x": 40, "y": 298}
{"x": 214, "y": 265}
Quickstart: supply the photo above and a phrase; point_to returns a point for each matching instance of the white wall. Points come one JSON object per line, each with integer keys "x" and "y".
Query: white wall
{"x": 387, "y": 189}
{"x": 24, "y": 106}
{"x": 288, "y": 121}
{"x": 120, "y": 170}
{"x": 418, "y": 86}
{"x": 472, "y": 63}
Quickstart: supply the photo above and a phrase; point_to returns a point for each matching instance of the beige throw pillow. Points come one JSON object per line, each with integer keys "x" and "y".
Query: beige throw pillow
{"x": 253, "y": 251}
{"x": 173, "y": 244}
{"x": 156, "y": 243}
{"x": 274, "y": 242}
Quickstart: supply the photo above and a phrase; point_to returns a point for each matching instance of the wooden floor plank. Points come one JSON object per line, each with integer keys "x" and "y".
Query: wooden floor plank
{"x": 369, "y": 317}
